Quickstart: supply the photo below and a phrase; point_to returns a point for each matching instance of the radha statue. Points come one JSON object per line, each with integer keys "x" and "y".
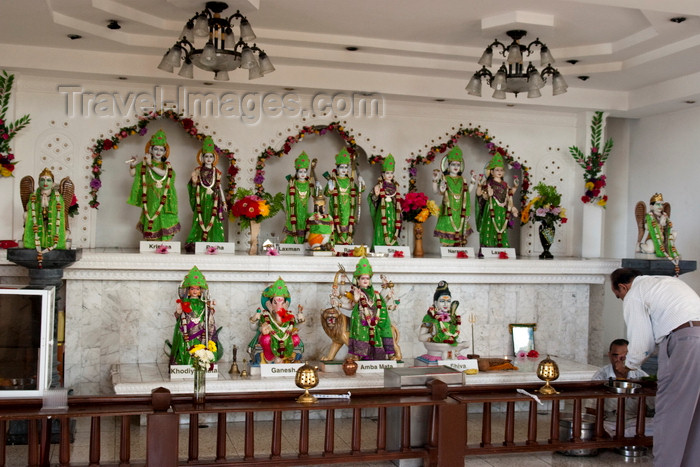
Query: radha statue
{"x": 206, "y": 198}
{"x": 276, "y": 327}
{"x": 453, "y": 228}
{"x": 385, "y": 206}
{"x": 495, "y": 208}
{"x": 153, "y": 190}
{"x": 194, "y": 320}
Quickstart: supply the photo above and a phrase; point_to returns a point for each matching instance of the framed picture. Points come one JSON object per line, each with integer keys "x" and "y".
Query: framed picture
{"x": 523, "y": 337}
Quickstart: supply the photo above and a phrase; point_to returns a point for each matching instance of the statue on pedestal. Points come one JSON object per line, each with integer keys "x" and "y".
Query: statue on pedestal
{"x": 344, "y": 197}
{"x": 207, "y": 198}
{"x": 440, "y": 328}
{"x": 320, "y": 226}
{"x": 495, "y": 207}
{"x": 370, "y": 335}
{"x": 300, "y": 189}
{"x": 385, "y": 206}
{"x": 277, "y": 336}
{"x": 194, "y": 315}
{"x": 655, "y": 229}
{"x": 153, "y": 190}
{"x": 46, "y": 224}
{"x": 452, "y": 228}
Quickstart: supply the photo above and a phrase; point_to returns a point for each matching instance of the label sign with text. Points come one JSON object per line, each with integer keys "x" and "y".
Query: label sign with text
{"x": 375, "y": 366}
{"x": 279, "y": 369}
{"x": 498, "y": 253}
{"x": 457, "y": 252}
{"x": 214, "y": 248}
{"x": 187, "y": 372}
{"x": 291, "y": 249}
{"x": 404, "y": 251}
{"x": 159, "y": 247}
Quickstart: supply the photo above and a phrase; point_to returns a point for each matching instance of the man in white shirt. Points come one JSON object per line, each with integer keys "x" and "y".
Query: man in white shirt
{"x": 616, "y": 369}
{"x": 666, "y": 311}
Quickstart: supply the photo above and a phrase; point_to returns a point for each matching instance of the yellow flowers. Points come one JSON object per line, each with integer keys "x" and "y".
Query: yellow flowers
{"x": 211, "y": 345}
{"x": 602, "y": 202}
{"x": 423, "y": 215}
{"x": 433, "y": 208}
{"x": 264, "y": 208}
{"x": 525, "y": 216}
{"x": 590, "y": 186}
{"x": 197, "y": 348}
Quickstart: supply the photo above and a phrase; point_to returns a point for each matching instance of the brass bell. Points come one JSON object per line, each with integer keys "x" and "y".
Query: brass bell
{"x": 306, "y": 378}
{"x": 547, "y": 371}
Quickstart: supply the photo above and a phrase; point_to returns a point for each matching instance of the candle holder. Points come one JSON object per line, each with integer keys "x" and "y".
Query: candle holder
{"x": 547, "y": 371}
{"x": 306, "y": 378}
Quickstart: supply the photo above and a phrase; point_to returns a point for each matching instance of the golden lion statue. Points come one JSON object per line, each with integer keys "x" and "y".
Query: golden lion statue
{"x": 336, "y": 325}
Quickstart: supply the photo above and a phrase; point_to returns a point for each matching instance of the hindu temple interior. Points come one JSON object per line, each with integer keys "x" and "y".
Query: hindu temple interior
{"x": 383, "y": 79}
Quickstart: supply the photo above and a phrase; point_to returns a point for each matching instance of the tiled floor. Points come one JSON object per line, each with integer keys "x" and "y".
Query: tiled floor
{"x": 109, "y": 446}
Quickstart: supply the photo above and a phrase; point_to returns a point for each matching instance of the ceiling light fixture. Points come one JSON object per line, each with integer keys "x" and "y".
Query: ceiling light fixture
{"x": 214, "y": 56}
{"x": 113, "y": 24}
{"x": 512, "y": 76}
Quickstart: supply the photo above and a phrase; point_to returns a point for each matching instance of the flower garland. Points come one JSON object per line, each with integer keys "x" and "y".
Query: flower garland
{"x": 8, "y": 130}
{"x": 478, "y": 134}
{"x": 655, "y": 232}
{"x": 388, "y": 240}
{"x": 215, "y": 201}
{"x": 593, "y": 164}
{"x": 35, "y": 227}
{"x": 141, "y": 129}
{"x": 168, "y": 177}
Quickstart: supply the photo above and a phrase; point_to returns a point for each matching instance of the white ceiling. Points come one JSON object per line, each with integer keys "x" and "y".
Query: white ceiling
{"x": 637, "y": 60}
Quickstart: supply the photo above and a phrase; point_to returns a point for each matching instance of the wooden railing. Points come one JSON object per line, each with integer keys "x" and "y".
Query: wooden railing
{"x": 450, "y": 413}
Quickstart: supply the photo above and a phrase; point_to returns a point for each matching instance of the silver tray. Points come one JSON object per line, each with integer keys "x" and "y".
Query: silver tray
{"x": 623, "y": 387}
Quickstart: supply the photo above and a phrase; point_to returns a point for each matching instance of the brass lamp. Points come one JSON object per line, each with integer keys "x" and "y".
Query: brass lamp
{"x": 547, "y": 371}
{"x": 306, "y": 378}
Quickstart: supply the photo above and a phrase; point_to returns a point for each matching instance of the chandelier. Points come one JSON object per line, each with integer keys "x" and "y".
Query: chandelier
{"x": 214, "y": 56}
{"x": 512, "y": 76}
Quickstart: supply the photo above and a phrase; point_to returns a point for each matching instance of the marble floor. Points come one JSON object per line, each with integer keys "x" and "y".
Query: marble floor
{"x": 109, "y": 449}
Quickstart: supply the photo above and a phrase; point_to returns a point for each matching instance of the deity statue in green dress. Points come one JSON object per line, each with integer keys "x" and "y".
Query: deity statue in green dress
{"x": 153, "y": 190}
{"x": 344, "y": 196}
{"x": 441, "y": 322}
{"x": 300, "y": 189}
{"x": 194, "y": 320}
{"x": 453, "y": 228}
{"x": 320, "y": 226}
{"x": 46, "y": 212}
{"x": 385, "y": 206}
{"x": 656, "y": 235}
{"x": 495, "y": 208}
{"x": 206, "y": 198}
{"x": 276, "y": 327}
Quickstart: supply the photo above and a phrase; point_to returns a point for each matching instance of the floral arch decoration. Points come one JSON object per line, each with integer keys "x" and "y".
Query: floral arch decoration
{"x": 141, "y": 129}
{"x": 480, "y": 135}
{"x": 291, "y": 140}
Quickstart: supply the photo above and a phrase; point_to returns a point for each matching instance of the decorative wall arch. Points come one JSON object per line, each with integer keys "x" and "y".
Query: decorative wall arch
{"x": 480, "y": 135}
{"x": 141, "y": 129}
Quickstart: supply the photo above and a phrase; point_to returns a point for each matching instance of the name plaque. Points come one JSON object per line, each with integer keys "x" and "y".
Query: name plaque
{"x": 498, "y": 253}
{"x": 344, "y": 248}
{"x": 159, "y": 247}
{"x": 214, "y": 248}
{"x": 454, "y": 252}
{"x": 375, "y": 366}
{"x": 390, "y": 250}
{"x": 291, "y": 249}
{"x": 178, "y": 372}
{"x": 461, "y": 365}
{"x": 268, "y": 370}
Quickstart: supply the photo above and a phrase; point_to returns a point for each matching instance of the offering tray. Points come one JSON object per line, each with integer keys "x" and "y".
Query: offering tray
{"x": 623, "y": 387}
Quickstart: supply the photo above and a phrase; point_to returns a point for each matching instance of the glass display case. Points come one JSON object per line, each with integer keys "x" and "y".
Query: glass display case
{"x": 26, "y": 340}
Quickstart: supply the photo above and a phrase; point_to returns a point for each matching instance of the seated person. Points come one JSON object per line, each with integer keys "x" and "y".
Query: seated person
{"x": 616, "y": 370}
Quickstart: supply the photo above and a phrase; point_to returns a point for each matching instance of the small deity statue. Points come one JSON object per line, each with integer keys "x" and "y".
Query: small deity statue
{"x": 656, "y": 229}
{"x": 495, "y": 208}
{"x": 385, "y": 206}
{"x": 46, "y": 212}
{"x": 371, "y": 336}
{"x": 206, "y": 198}
{"x": 344, "y": 198}
{"x": 153, "y": 190}
{"x": 194, "y": 315}
{"x": 276, "y": 331}
{"x": 320, "y": 226}
{"x": 441, "y": 322}
{"x": 453, "y": 228}
{"x": 300, "y": 189}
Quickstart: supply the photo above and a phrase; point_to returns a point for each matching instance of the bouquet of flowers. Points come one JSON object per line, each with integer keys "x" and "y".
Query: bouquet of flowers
{"x": 8, "y": 130}
{"x": 253, "y": 208}
{"x": 593, "y": 164}
{"x": 417, "y": 207}
{"x": 203, "y": 356}
{"x": 545, "y": 207}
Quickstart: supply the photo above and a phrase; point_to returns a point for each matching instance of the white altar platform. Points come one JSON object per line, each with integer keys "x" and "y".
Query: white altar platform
{"x": 141, "y": 378}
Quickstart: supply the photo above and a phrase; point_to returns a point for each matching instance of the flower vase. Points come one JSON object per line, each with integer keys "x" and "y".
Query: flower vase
{"x": 418, "y": 239}
{"x": 200, "y": 385}
{"x": 254, "y": 233}
{"x": 547, "y": 232}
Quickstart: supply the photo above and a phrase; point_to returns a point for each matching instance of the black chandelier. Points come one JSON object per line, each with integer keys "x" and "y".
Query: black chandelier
{"x": 214, "y": 56}
{"x": 512, "y": 76}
